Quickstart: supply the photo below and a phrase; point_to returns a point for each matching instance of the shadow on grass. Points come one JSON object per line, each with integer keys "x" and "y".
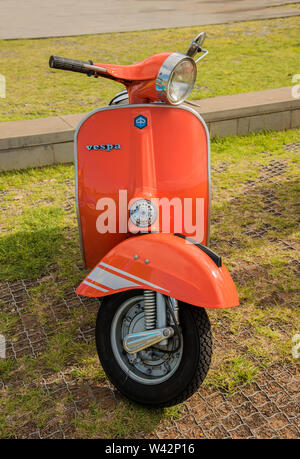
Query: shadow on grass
{"x": 124, "y": 420}
{"x": 29, "y": 254}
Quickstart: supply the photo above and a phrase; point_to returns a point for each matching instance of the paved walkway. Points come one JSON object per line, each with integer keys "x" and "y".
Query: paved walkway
{"x": 41, "y": 18}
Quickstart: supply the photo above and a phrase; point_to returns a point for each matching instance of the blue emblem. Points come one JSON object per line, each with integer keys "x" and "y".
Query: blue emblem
{"x": 140, "y": 121}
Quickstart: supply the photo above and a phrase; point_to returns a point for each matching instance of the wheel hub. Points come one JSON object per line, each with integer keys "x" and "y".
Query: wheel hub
{"x": 151, "y": 365}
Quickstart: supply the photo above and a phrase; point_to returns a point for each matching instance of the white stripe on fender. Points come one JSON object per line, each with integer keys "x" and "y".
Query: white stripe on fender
{"x": 110, "y": 280}
{"x": 95, "y": 286}
{"x": 132, "y": 276}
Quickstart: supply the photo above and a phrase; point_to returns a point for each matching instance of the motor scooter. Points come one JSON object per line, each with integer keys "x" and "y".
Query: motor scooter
{"x": 142, "y": 168}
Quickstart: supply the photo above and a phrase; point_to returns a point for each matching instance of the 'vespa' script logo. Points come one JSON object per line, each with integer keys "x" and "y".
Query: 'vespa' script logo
{"x": 106, "y": 147}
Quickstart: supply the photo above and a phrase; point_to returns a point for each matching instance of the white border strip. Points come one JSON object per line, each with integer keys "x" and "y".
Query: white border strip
{"x": 132, "y": 276}
{"x": 95, "y": 286}
{"x": 110, "y": 280}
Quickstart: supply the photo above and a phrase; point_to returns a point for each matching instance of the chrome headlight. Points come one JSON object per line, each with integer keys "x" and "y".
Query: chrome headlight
{"x": 176, "y": 78}
{"x": 143, "y": 213}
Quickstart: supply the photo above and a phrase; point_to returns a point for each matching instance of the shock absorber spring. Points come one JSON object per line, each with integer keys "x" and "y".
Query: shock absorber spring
{"x": 175, "y": 310}
{"x": 149, "y": 309}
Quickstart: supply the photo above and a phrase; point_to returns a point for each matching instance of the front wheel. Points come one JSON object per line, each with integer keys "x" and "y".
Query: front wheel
{"x": 154, "y": 376}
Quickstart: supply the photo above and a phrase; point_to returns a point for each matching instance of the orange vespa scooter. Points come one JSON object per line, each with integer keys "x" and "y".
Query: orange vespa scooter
{"x": 142, "y": 168}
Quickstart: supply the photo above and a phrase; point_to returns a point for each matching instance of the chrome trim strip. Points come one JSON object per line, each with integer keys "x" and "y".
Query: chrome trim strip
{"x": 125, "y": 273}
{"x": 118, "y": 107}
{"x": 95, "y": 286}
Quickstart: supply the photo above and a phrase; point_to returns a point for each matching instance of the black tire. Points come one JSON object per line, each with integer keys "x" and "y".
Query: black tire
{"x": 193, "y": 366}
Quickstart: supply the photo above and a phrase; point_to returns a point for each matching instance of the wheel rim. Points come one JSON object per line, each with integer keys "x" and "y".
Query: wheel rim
{"x": 150, "y": 366}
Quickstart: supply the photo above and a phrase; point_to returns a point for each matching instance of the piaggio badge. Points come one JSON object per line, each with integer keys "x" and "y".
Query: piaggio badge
{"x": 140, "y": 121}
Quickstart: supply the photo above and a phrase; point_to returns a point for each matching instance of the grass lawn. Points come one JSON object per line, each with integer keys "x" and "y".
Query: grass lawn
{"x": 46, "y": 383}
{"x": 245, "y": 56}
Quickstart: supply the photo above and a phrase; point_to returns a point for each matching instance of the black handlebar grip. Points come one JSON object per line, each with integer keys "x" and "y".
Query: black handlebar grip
{"x": 73, "y": 65}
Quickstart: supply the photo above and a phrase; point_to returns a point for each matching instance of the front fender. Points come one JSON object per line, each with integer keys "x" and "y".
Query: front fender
{"x": 167, "y": 264}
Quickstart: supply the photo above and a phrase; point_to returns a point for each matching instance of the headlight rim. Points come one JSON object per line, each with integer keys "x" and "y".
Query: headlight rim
{"x": 165, "y": 74}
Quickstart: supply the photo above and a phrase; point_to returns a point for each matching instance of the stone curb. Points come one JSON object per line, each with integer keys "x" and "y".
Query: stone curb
{"x": 46, "y": 141}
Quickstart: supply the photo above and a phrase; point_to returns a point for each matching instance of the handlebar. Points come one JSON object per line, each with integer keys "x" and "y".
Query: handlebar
{"x": 73, "y": 65}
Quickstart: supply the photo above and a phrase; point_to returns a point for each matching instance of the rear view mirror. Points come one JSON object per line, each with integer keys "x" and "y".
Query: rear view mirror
{"x": 196, "y": 45}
